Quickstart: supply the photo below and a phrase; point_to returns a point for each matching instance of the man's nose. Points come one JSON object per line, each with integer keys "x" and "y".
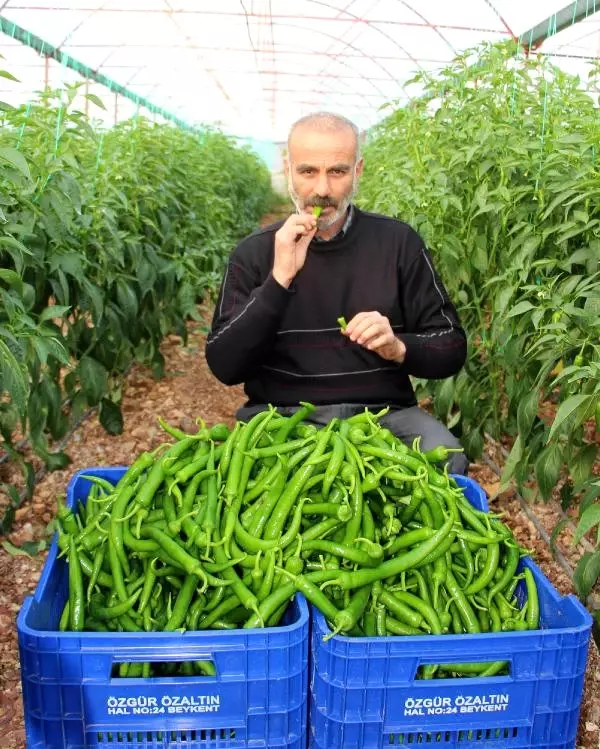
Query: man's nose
{"x": 322, "y": 186}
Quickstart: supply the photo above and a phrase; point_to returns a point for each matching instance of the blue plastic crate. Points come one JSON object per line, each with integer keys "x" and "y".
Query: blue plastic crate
{"x": 364, "y": 693}
{"x": 257, "y": 699}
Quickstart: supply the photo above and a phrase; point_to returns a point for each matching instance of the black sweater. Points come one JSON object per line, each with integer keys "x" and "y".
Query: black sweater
{"x": 285, "y": 344}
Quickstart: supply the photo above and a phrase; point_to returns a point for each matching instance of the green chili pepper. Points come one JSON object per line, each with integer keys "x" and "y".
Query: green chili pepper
{"x": 182, "y": 603}
{"x": 116, "y": 611}
{"x": 532, "y": 617}
{"x": 63, "y": 624}
{"x": 488, "y": 571}
{"x": 459, "y": 598}
{"x": 393, "y": 567}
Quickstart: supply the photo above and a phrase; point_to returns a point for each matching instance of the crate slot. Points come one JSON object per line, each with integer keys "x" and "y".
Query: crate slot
{"x": 406, "y": 739}
{"x": 450, "y": 737}
{"x": 488, "y": 734}
{"x": 166, "y": 669}
{"x": 186, "y": 739}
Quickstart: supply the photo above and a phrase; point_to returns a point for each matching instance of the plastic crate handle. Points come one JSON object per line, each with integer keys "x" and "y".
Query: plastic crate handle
{"x": 208, "y": 668}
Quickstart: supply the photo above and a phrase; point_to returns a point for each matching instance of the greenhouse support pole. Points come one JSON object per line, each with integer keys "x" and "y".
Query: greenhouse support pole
{"x": 48, "y": 51}
{"x": 562, "y": 19}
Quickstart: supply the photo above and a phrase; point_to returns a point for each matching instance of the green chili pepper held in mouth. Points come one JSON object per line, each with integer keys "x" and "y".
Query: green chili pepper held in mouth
{"x": 317, "y": 210}
{"x": 342, "y": 323}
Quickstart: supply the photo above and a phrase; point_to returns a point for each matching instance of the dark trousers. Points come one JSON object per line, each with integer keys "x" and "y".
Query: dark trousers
{"x": 405, "y": 423}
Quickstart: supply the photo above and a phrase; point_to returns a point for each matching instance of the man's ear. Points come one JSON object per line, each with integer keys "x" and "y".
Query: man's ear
{"x": 359, "y": 167}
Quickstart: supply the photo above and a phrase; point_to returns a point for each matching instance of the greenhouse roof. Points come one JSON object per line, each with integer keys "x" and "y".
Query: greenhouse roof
{"x": 254, "y": 66}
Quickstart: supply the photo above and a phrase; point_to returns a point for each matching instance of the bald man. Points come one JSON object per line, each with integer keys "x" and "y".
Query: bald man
{"x": 275, "y": 323}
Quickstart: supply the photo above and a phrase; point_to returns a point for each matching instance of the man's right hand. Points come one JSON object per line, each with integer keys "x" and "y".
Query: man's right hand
{"x": 291, "y": 246}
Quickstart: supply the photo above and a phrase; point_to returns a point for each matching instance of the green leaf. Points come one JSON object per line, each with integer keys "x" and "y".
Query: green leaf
{"x": 13, "y": 550}
{"x": 13, "y": 244}
{"x": 567, "y": 408}
{"x": 96, "y": 100}
{"x": 14, "y": 378}
{"x": 586, "y": 573}
{"x": 29, "y": 472}
{"x": 54, "y": 461}
{"x": 111, "y": 416}
{"x": 93, "y": 378}
{"x": 473, "y": 443}
{"x": 588, "y": 520}
{"x": 37, "y": 413}
{"x": 57, "y": 460}
{"x": 12, "y": 279}
{"x": 9, "y": 513}
{"x": 16, "y": 159}
{"x": 78, "y": 406}
{"x": 526, "y": 413}
{"x": 547, "y": 468}
{"x": 479, "y": 259}
{"x": 127, "y": 300}
{"x": 591, "y": 493}
{"x": 581, "y": 465}
{"x": 56, "y": 348}
{"x": 54, "y": 311}
{"x": 70, "y": 383}
{"x": 444, "y": 397}
{"x": 70, "y": 263}
{"x": 8, "y": 76}
{"x": 511, "y": 464}
{"x": 520, "y": 308}
{"x": 592, "y": 306}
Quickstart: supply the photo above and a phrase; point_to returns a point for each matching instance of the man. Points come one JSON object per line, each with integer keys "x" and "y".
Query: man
{"x": 275, "y": 324}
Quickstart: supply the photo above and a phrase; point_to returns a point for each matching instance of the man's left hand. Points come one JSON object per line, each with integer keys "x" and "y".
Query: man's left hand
{"x": 373, "y": 331}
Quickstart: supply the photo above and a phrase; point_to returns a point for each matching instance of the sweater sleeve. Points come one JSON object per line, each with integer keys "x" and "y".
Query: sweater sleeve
{"x": 245, "y": 321}
{"x": 436, "y": 344}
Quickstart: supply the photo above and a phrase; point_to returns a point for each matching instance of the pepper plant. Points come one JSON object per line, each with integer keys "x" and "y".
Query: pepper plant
{"x": 495, "y": 164}
{"x": 108, "y": 240}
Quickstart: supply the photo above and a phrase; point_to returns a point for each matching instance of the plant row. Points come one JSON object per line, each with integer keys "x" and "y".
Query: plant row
{"x": 496, "y": 164}
{"x": 108, "y": 241}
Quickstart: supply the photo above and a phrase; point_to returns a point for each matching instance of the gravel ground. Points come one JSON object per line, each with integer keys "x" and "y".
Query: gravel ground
{"x": 189, "y": 391}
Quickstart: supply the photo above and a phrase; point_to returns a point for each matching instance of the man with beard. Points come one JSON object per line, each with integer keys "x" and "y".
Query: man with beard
{"x": 275, "y": 323}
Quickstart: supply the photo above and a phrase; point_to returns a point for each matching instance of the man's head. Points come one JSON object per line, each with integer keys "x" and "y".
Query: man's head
{"x": 323, "y": 165}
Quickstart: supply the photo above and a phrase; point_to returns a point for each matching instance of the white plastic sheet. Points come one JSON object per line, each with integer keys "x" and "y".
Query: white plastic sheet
{"x": 254, "y": 66}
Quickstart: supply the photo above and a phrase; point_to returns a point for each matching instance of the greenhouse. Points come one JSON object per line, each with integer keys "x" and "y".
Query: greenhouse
{"x": 299, "y": 374}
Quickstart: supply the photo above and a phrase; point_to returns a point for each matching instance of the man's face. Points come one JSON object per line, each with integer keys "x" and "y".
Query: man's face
{"x": 322, "y": 170}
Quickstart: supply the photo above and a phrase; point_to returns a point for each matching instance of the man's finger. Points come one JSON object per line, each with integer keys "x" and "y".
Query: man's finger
{"x": 380, "y": 342}
{"x": 304, "y": 240}
{"x": 306, "y": 221}
{"x": 359, "y": 322}
{"x": 373, "y": 330}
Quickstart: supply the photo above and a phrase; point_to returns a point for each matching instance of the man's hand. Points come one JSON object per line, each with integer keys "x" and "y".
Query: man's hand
{"x": 291, "y": 245}
{"x": 373, "y": 331}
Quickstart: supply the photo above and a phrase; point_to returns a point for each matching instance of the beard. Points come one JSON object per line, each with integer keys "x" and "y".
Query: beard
{"x": 341, "y": 206}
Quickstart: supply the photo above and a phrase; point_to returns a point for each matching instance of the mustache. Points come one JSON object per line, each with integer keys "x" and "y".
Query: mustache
{"x": 323, "y": 203}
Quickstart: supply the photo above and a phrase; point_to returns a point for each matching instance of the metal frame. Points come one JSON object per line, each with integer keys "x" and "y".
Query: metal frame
{"x": 49, "y": 52}
{"x": 562, "y": 19}
{"x": 266, "y": 52}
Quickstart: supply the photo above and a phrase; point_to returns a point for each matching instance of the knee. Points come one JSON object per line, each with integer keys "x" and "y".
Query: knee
{"x": 458, "y": 463}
